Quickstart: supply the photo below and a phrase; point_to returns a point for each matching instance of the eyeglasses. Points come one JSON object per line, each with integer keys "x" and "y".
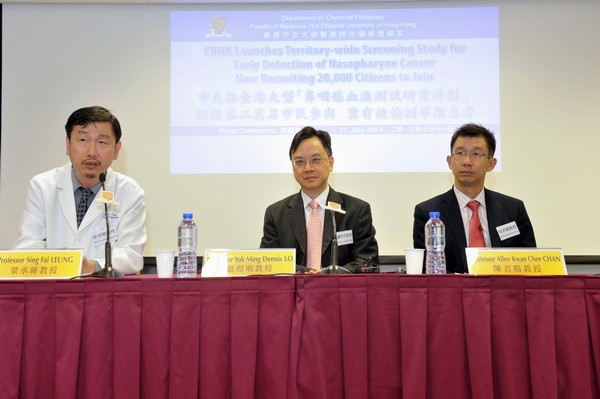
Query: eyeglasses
{"x": 462, "y": 155}
{"x": 315, "y": 162}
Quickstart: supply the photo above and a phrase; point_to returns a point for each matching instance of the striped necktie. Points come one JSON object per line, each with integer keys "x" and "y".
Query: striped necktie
{"x": 83, "y": 205}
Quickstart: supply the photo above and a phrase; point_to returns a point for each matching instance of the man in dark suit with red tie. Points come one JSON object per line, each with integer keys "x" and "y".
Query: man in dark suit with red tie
{"x": 473, "y": 215}
{"x": 300, "y": 221}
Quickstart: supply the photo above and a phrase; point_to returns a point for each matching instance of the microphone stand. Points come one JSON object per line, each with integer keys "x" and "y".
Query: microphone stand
{"x": 107, "y": 271}
{"x": 334, "y": 268}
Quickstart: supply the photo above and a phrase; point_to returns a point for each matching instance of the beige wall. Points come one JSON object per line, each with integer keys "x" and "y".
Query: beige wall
{"x": 550, "y": 98}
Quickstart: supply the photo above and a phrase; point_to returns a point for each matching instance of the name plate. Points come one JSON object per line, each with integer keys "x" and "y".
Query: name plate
{"x": 245, "y": 262}
{"x": 516, "y": 261}
{"x": 40, "y": 263}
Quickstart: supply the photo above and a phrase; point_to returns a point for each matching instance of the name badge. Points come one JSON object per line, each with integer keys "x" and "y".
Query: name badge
{"x": 344, "y": 237}
{"x": 40, "y": 263}
{"x": 508, "y": 230}
{"x": 245, "y": 262}
{"x": 516, "y": 261}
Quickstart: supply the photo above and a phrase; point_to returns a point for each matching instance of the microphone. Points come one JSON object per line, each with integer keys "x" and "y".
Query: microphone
{"x": 334, "y": 268}
{"x": 108, "y": 270}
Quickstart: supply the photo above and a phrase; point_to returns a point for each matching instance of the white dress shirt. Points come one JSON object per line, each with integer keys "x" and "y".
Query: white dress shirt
{"x": 466, "y": 213}
{"x": 321, "y": 200}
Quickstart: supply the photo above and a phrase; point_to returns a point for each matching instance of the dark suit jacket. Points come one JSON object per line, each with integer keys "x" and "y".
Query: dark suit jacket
{"x": 285, "y": 227}
{"x": 501, "y": 209}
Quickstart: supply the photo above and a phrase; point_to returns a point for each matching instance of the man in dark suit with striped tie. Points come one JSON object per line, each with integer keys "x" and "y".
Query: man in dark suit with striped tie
{"x": 300, "y": 220}
{"x": 473, "y": 215}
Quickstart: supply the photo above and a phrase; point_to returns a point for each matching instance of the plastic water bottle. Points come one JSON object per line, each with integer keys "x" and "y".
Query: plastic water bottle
{"x": 435, "y": 242}
{"x": 187, "y": 238}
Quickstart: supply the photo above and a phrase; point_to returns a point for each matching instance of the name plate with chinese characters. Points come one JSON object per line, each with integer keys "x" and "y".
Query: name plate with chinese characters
{"x": 245, "y": 262}
{"x": 40, "y": 263}
{"x": 516, "y": 261}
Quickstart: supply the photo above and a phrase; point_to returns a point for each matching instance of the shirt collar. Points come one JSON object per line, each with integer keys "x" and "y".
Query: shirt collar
{"x": 464, "y": 199}
{"x": 321, "y": 198}
{"x": 77, "y": 184}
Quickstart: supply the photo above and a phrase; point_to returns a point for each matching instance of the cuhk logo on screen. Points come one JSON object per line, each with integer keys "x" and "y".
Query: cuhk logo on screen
{"x": 217, "y": 27}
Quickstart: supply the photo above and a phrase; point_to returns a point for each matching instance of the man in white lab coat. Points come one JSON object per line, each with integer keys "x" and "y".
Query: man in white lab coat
{"x": 61, "y": 210}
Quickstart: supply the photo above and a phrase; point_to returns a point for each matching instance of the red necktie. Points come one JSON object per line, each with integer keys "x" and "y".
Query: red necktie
{"x": 315, "y": 238}
{"x": 475, "y": 230}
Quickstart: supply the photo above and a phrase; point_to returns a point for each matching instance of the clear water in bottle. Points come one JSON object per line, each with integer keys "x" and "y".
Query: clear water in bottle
{"x": 435, "y": 242}
{"x": 187, "y": 239}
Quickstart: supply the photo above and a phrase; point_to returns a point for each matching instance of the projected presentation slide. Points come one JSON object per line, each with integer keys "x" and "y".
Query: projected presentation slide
{"x": 389, "y": 85}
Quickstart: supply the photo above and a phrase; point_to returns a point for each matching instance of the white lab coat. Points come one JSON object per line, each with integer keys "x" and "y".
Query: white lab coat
{"x": 49, "y": 219}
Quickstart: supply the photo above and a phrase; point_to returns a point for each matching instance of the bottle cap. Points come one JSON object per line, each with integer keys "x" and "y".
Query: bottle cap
{"x": 188, "y": 215}
{"x": 434, "y": 215}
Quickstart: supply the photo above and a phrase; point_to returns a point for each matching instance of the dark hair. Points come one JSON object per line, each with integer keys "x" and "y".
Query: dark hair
{"x": 473, "y": 130}
{"x": 87, "y": 115}
{"x": 308, "y": 132}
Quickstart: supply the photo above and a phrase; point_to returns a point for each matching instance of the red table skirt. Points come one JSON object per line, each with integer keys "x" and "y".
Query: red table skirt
{"x": 362, "y": 336}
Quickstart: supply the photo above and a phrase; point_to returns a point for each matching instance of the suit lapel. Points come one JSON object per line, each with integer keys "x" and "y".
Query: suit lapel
{"x": 454, "y": 227}
{"x": 328, "y": 227}
{"x": 494, "y": 217}
{"x": 297, "y": 221}
{"x": 66, "y": 196}
{"x": 95, "y": 208}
